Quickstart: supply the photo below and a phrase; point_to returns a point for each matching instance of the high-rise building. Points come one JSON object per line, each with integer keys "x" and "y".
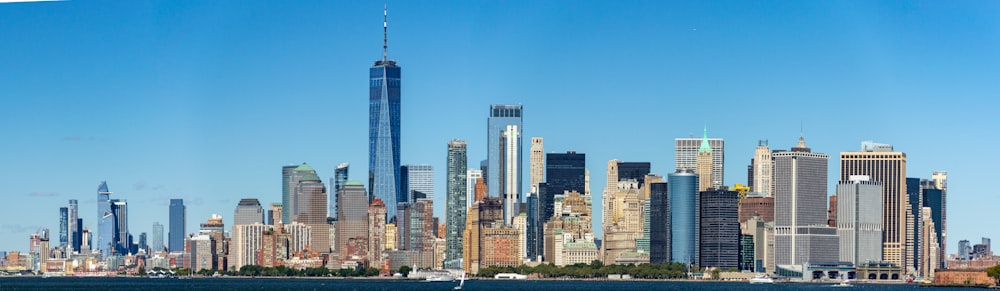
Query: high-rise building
{"x": 105, "y": 221}
{"x": 659, "y": 223}
{"x": 352, "y": 219}
{"x": 310, "y": 209}
{"x": 569, "y": 235}
{"x": 215, "y": 230}
{"x": 510, "y": 171}
{"x": 416, "y": 178}
{"x": 287, "y": 186}
{"x": 178, "y": 230}
{"x": 686, "y": 157}
{"x": 457, "y": 200}
{"x": 801, "y": 232}
{"x": 247, "y": 241}
{"x": 376, "y": 233}
{"x": 485, "y": 219}
{"x": 683, "y": 193}
{"x": 203, "y": 254}
{"x": 291, "y": 208}
{"x": 914, "y": 205}
{"x": 621, "y": 171}
{"x": 340, "y": 175}
{"x": 63, "y": 226}
{"x": 703, "y": 165}
{"x": 935, "y": 199}
{"x": 144, "y": 242}
{"x": 384, "y": 129}
{"x": 121, "y": 235}
{"x": 157, "y": 239}
{"x": 563, "y": 172}
{"x": 719, "y": 229}
{"x": 534, "y": 228}
{"x": 929, "y": 248}
{"x": 274, "y": 214}
{"x": 472, "y": 176}
{"x": 502, "y": 116}
{"x": 248, "y": 211}
{"x": 859, "y": 220}
{"x": 421, "y": 226}
{"x": 887, "y": 167}
{"x": 757, "y": 204}
{"x": 74, "y": 228}
{"x": 537, "y": 163}
{"x": 761, "y": 169}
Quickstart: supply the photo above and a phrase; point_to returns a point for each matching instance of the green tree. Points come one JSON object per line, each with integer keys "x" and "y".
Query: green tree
{"x": 994, "y": 272}
{"x": 405, "y": 270}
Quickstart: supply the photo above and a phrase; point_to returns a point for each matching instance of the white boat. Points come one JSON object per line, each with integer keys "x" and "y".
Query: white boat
{"x": 460, "y": 283}
{"x": 440, "y": 278}
{"x": 845, "y": 283}
{"x": 761, "y": 279}
{"x": 510, "y": 276}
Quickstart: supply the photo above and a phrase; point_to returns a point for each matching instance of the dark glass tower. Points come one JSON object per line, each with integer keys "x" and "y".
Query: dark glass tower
{"x": 563, "y": 172}
{"x": 456, "y": 196}
{"x": 339, "y": 178}
{"x": 178, "y": 218}
{"x": 719, "y": 241}
{"x": 633, "y": 170}
{"x": 659, "y": 223}
{"x": 383, "y": 131}
{"x": 683, "y": 199}
{"x": 936, "y": 199}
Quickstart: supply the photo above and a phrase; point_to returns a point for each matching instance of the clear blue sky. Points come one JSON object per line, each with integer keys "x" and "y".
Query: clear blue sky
{"x": 207, "y": 100}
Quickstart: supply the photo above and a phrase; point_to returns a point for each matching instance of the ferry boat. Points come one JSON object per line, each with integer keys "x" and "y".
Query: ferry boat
{"x": 761, "y": 279}
{"x": 440, "y": 278}
{"x": 510, "y": 276}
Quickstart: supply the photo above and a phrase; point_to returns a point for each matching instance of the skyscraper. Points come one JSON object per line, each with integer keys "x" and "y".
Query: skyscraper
{"x": 248, "y": 211}
{"x": 719, "y": 233}
{"x": 75, "y": 229}
{"x": 471, "y": 177}
{"x": 935, "y": 198}
{"x": 859, "y": 220}
{"x": 703, "y": 165}
{"x": 762, "y": 167}
{"x": 295, "y": 199}
{"x": 416, "y": 178}
{"x": 659, "y": 223}
{"x": 352, "y": 218}
{"x": 537, "y": 163}
{"x": 340, "y": 175}
{"x": 457, "y": 200}
{"x": 686, "y": 156}
{"x": 683, "y": 193}
{"x": 915, "y": 205}
{"x": 310, "y": 200}
{"x": 63, "y": 226}
{"x": 157, "y": 237}
{"x": 497, "y": 127}
{"x": 510, "y": 171}
{"x": 887, "y": 167}
{"x": 105, "y": 220}
{"x": 121, "y": 235}
{"x": 801, "y": 232}
{"x": 376, "y": 232}
{"x": 384, "y": 128}
{"x": 178, "y": 229}
{"x": 286, "y": 191}
{"x": 563, "y": 172}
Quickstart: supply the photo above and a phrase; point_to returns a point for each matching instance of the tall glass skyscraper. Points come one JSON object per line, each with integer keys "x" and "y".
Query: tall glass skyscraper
{"x": 340, "y": 175}
{"x": 456, "y": 203}
{"x": 74, "y": 228}
{"x": 383, "y": 130}
{"x": 286, "y": 191}
{"x": 682, "y": 187}
{"x": 63, "y": 226}
{"x": 563, "y": 172}
{"x": 178, "y": 219}
{"x": 121, "y": 235}
{"x": 105, "y": 220}
{"x": 157, "y": 239}
{"x": 659, "y": 226}
{"x": 500, "y": 117}
{"x": 416, "y": 178}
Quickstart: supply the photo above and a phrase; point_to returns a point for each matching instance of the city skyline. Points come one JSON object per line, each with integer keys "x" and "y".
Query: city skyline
{"x": 158, "y": 136}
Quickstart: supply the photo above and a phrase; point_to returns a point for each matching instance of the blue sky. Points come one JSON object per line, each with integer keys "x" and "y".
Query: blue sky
{"x": 207, "y": 100}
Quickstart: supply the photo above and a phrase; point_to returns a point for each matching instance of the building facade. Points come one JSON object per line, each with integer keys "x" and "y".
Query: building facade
{"x": 178, "y": 228}
{"x": 762, "y": 165}
{"x": 659, "y": 223}
{"x": 683, "y": 193}
{"x": 800, "y": 196}
{"x": 384, "y": 132}
{"x": 248, "y": 211}
{"x": 859, "y": 220}
{"x": 719, "y": 229}
{"x": 686, "y": 156}
{"x": 417, "y": 179}
{"x": 537, "y": 164}
{"x": 352, "y": 219}
{"x": 501, "y": 116}
{"x": 888, "y": 168}
{"x": 457, "y": 200}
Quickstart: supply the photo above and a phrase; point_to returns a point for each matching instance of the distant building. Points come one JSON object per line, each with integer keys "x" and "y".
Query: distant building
{"x": 683, "y": 192}
{"x": 686, "y": 157}
{"x": 203, "y": 256}
{"x": 416, "y": 178}
{"x": 509, "y": 175}
{"x": 800, "y": 196}
{"x": 472, "y": 176}
{"x": 246, "y": 241}
{"x": 376, "y": 233}
{"x": 157, "y": 238}
{"x": 456, "y": 205}
{"x": 859, "y": 221}
{"x": 485, "y": 217}
{"x": 659, "y": 223}
{"x": 703, "y": 166}
{"x": 310, "y": 209}
{"x": 340, "y": 176}
{"x": 248, "y": 211}
{"x": 757, "y": 204}
{"x": 762, "y": 165}
{"x": 719, "y": 233}
{"x": 887, "y": 167}
{"x": 563, "y": 172}
{"x": 537, "y": 163}
{"x": 352, "y": 220}
{"x": 501, "y": 116}
{"x": 384, "y": 115}
{"x": 178, "y": 229}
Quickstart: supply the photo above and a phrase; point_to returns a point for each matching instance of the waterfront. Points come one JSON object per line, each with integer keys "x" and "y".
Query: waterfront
{"x": 303, "y": 284}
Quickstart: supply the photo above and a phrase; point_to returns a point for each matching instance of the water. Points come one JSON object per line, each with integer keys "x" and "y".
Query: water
{"x": 304, "y": 284}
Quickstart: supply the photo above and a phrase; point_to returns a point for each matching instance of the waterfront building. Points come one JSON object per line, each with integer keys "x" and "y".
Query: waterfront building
{"x": 384, "y": 115}
{"x": 929, "y": 248}
{"x": 624, "y": 224}
{"x": 719, "y": 229}
{"x": 484, "y": 214}
{"x": 352, "y": 220}
{"x": 178, "y": 229}
{"x": 934, "y": 195}
{"x": 800, "y": 188}
{"x": 456, "y": 205}
{"x": 683, "y": 192}
{"x": 203, "y": 255}
{"x": 887, "y": 167}
{"x": 859, "y": 220}
{"x": 214, "y": 229}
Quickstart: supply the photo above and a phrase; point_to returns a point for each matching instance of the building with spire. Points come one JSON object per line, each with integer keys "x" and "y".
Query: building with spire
{"x": 384, "y": 128}
{"x": 686, "y": 156}
{"x": 704, "y": 164}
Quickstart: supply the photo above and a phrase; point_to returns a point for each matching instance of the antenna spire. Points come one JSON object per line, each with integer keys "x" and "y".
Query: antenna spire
{"x": 385, "y": 33}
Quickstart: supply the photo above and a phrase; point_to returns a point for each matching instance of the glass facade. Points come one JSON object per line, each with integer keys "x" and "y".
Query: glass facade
{"x": 383, "y": 134}
{"x": 533, "y": 228}
{"x": 456, "y": 200}
{"x": 63, "y": 226}
{"x": 352, "y": 219}
{"x": 340, "y": 176}
{"x": 157, "y": 237}
{"x": 935, "y": 199}
{"x": 416, "y": 178}
{"x": 563, "y": 172}
{"x": 500, "y": 117}
{"x": 286, "y": 191}
{"x": 683, "y": 190}
{"x": 719, "y": 234}
{"x": 178, "y": 219}
{"x": 659, "y": 223}
{"x": 106, "y": 221}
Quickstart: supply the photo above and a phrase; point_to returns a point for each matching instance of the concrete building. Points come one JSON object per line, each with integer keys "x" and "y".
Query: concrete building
{"x": 376, "y": 233}
{"x": 569, "y": 235}
{"x": 352, "y": 221}
{"x": 248, "y": 211}
{"x": 757, "y": 204}
{"x": 203, "y": 255}
{"x": 762, "y": 166}
{"x": 887, "y": 167}
{"x": 762, "y": 233}
{"x": 686, "y": 157}
{"x": 800, "y": 186}
{"x": 310, "y": 200}
{"x": 484, "y": 214}
{"x": 472, "y": 176}
{"x": 521, "y": 224}
{"x": 537, "y": 163}
{"x": 246, "y": 241}
{"x": 510, "y": 172}
{"x": 934, "y": 195}
{"x": 859, "y": 220}
{"x": 929, "y": 248}
{"x": 216, "y": 231}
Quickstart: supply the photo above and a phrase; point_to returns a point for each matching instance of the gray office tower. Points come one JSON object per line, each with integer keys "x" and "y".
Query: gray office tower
{"x": 500, "y": 117}
{"x": 859, "y": 220}
{"x": 659, "y": 223}
{"x": 455, "y": 205}
{"x": 719, "y": 234}
{"x": 801, "y": 232}
{"x": 178, "y": 220}
{"x": 248, "y": 211}
{"x": 157, "y": 239}
{"x": 340, "y": 175}
{"x": 683, "y": 192}
{"x": 384, "y": 110}
{"x": 63, "y": 226}
{"x": 75, "y": 229}
{"x": 416, "y": 178}
{"x": 934, "y": 197}
{"x": 563, "y": 172}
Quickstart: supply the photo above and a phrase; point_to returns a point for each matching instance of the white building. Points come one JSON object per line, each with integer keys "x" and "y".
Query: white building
{"x": 859, "y": 220}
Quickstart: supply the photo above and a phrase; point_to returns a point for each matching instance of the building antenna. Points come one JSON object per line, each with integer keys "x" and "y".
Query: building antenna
{"x": 385, "y": 33}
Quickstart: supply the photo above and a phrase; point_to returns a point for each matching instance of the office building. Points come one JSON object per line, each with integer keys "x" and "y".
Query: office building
{"x": 472, "y": 177}
{"x": 762, "y": 165}
{"x": 686, "y": 156}
{"x": 416, "y": 178}
{"x": 564, "y": 172}
{"x": 510, "y": 171}
{"x": 929, "y": 252}
{"x": 74, "y": 228}
{"x": 503, "y": 127}
{"x": 340, "y": 176}
{"x": 914, "y": 205}
{"x": 757, "y": 204}
{"x": 310, "y": 209}
{"x": 487, "y": 240}
{"x": 178, "y": 220}
{"x": 376, "y": 233}
{"x": 659, "y": 223}
{"x": 537, "y": 163}
{"x": 248, "y": 211}
{"x": 287, "y": 186}
{"x": 63, "y": 226}
{"x": 624, "y": 224}
{"x": 456, "y": 206}
{"x": 122, "y": 243}
{"x": 703, "y": 165}
{"x": 352, "y": 219}
{"x": 157, "y": 238}
{"x": 719, "y": 229}
{"x": 683, "y": 193}
{"x": 800, "y": 188}
{"x": 247, "y": 241}
{"x": 105, "y": 221}
{"x": 859, "y": 220}
{"x": 384, "y": 130}
{"x": 934, "y": 197}
{"x": 888, "y": 168}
